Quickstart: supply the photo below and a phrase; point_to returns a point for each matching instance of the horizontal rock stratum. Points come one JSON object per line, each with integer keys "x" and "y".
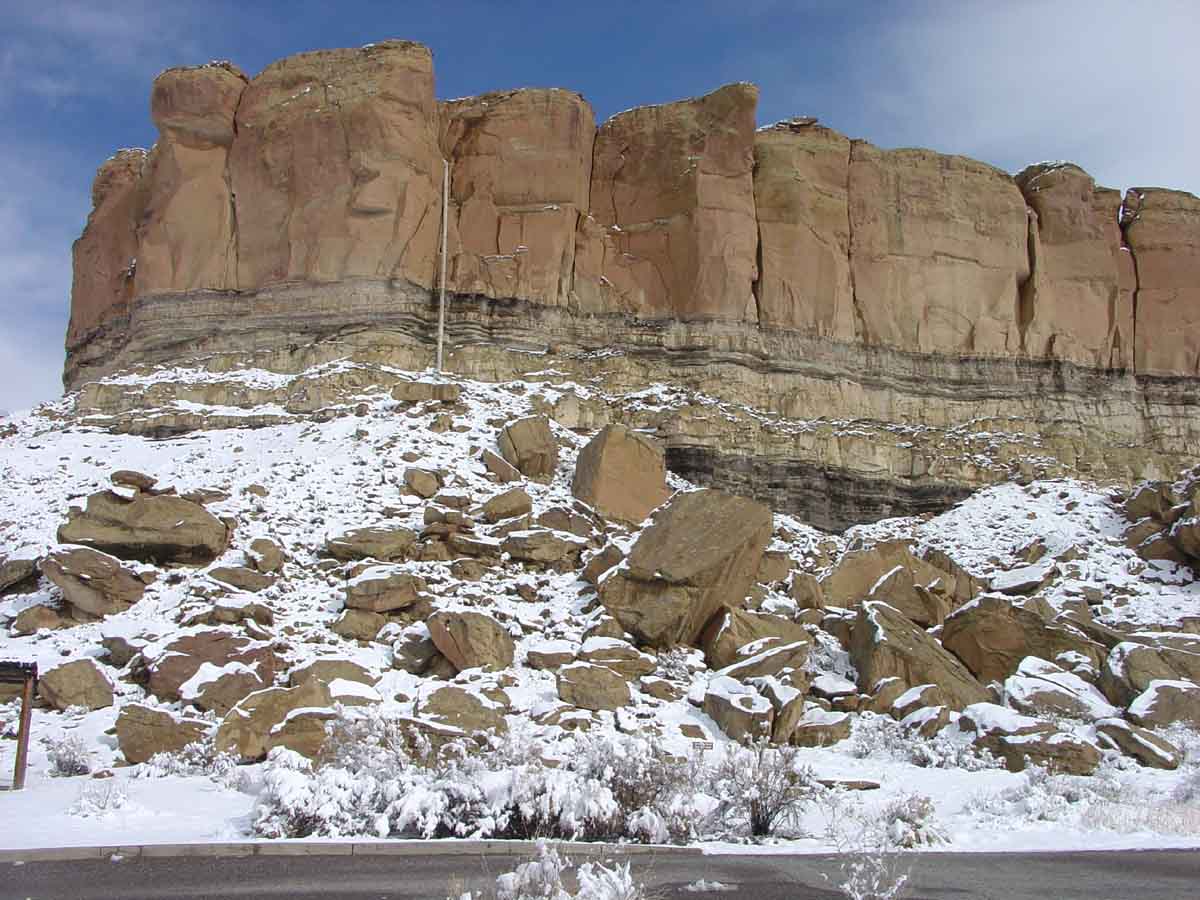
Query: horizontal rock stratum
{"x": 296, "y": 217}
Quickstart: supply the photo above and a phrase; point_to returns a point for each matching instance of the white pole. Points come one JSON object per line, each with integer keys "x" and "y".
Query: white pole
{"x": 442, "y": 292}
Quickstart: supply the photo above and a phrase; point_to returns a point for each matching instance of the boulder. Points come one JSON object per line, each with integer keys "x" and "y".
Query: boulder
{"x": 1041, "y": 688}
{"x": 620, "y": 656}
{"x": 621, "y": 474}
{"x": 732, "y": 629}
{"x": 330, "y": 669}
{"x": 807, "y": 592}
{"x": 267, "y": 556}
{"x": 1144, "y": 746}
{"x": 885, "y": 644}
{"x": 1021, "y": 740}
{"x": 521, "y": 164}
{"x": 740, "y": 711}
{"x": 1165, "y": 703}
{"x": 143, "y": 731}
{"x": 239, "y": 608}
{"x": 218, "y": 689}
{"x": 504, "y": 471}
{"x": 16, "y": 572}
{"x": 414, "y": 650}
{"x": 513, "y": 502}
{"x": 700, "y": 553}
{"x": 78, "y": 683}
{"x": 530, "y": 447}
{"x": 241, "y": 578}
{"x": 600, "y": 563}
{"x": 820, "y": 728}
{"x": 248, "y": 728}
{"x": 770, "y": 657}
{"x": 890, "y": 572}
{"x": 591, "y": 687}
{"x": 358, "y": 625}
{"x": 1131, "y": 667}
{"x": 34, "y": 618}
{"x": 381, "y": 589}
{"x": 672, "y": 232}
{"x": 158, "y": 529}
{"x": 425, "y": 391}
{"x": 468, "y": 710}
{"x": 177, "y": 661}
{"x": 551, "y": 654}
{"x": 992, "y": 635}
{"x": 385, "y": 542}
{"x": 92, "y": 582}
{"x": 787, "y": 702}
{"x": 546, "y": 547}
{"x": 304, "y": 730}
{"x": 422, "y": 482}
{"x": 470, "y": 640}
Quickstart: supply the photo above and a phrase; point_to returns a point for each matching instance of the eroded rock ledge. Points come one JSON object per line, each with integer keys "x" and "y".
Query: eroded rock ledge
{"x": 295, "y": 217}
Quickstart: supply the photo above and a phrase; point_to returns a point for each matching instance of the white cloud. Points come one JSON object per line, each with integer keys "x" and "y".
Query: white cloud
{"x": 1108, "y": 84}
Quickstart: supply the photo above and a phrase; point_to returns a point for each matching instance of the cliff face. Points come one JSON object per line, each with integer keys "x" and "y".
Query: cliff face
{"x": 788, "y": 269}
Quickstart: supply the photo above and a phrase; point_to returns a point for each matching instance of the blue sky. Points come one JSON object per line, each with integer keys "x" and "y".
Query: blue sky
{"x": 1105, "y": 83}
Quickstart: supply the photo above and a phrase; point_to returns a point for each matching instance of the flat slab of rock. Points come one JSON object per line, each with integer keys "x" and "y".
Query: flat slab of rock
{"x": 383, "y": 589}
{"x": 383, "y": 542}
{"x": 156, "y": 529}
{"x": 470, "y": 640}
{"x": 143, "y": 731}
{"x": 1165, "y": 703}
{"x": 593, "y": 687}
{"x": 78, "y": 683}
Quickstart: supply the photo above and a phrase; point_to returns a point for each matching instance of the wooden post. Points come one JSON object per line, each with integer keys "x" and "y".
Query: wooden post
{"x": 441, "y": 337}
{"x": 23, "y": 732}
{"x": 24, "y": 674}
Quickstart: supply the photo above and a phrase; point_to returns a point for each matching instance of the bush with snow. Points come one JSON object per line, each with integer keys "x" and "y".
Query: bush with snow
{"x": 909, "y": 821}
{"x": 882, "y": 737}
{"x": 542, "y": 878}
{"x": 99, "y": 798}
{"x": 764, "y": 788}
{"x": 197, "y": 758}
{"x": 68, "y": 756}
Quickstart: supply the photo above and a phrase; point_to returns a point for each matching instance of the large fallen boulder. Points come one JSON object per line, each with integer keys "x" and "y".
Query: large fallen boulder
{"x": 458, "y": 707}
{"x": 1143, "y": 745}
{"x": 991, "y": 635}
{"x": 173, "y": 664}
{"x": 528, "y": 445}
{"x": 739, "y": 710}
{"x": 249, "y": 728}
{"x": 1166, "y": 703}
{"x": 93, "y": 583}
{"x": 889, "y": 571}
{"x": 700, "y": 553}
{"x": 143, "y": 731}
{"x": 158, "y": 529}
{"x": 1022, "y": 740}
{"x": 78, "y": 683}
{"x": 886, "y": 644}
{"x": 1131, "y": 667}
{"x": 218, "y": 689}
{"x": 384, "y": 589}
{"x": 17, "y": 572}
{"x": 732, "y": 629}
{"x": 471, "y": 640}
{"x": 621, "y": 474}
{"x": 1041, "y": 688}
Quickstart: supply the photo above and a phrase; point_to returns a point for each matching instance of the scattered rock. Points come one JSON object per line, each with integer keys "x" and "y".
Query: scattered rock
{"x": 358, "y": 625}
{"x": 422, "y": 482}
{"x": 383, "y": 589}
{"x": 505, "y": 472}
{"x": 739, "y": 710}
{"x": 248, "y": 728}
{"x": 266, "y": 555}
{"x": 241, "y": 578}
{"x": 514, "y": 502}
{"x": 34, "y": 618}
{"x": 1145, "y": 746}
{"x": 383, "y": 542}
{"x": 16, "y": 572}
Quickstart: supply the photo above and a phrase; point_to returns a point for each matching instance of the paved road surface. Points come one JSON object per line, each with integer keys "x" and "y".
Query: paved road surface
{"x": 1157, "y": 875}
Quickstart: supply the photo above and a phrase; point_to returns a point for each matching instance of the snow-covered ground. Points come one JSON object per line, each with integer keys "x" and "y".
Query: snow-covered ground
{"x": 323, "y": 478}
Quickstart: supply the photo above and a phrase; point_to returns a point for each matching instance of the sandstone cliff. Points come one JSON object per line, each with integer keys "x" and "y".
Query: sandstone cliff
{"x": 296, "y": 215}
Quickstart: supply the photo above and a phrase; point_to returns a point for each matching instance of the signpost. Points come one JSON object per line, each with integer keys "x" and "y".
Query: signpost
{"x": 26, "y": 675}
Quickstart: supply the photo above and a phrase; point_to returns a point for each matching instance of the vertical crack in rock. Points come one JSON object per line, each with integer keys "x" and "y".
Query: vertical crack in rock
{"x": 1128, "y": 215}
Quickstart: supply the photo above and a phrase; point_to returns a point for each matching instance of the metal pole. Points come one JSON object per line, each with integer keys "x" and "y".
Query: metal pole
{"x": 442, "y": 284}
{"x": 23, "y": 732}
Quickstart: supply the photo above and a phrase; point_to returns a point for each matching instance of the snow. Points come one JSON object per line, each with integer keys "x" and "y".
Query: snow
{"x": 324, "y": 478}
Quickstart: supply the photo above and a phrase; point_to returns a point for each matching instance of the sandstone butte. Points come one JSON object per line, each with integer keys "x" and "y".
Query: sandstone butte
{"x": 295, "y": 217}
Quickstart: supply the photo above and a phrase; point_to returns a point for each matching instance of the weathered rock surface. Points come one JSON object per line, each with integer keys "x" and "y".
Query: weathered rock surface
{"x": 591, "y": 686}
{"x": 528, "y": 445}
{"x": 992, "y": 635}
{"x": 92, "y": 582}
{"x": 249, "y": 729}
{"x": 1145, "y": 746}
{"x": 1165, "y": 703}
{"x": 179, "y": 660}
{"x": 701, "y": 552}
{"x": 78, "y": 683}
{"x": 463, "y": 709}
{"x": 885, "y": 644}
{"x": 471, "y": 639}
{"x": 621, "y": 475}
{"x": 15, "y": 572}
{"x": 149, "y": 528}
{"x": 143, "y": 731}
{"x": 738, "y": 709}
{"x": 384, "y": 542}
{"x": 731, "y": 630}
{"x": 384, "y": 589}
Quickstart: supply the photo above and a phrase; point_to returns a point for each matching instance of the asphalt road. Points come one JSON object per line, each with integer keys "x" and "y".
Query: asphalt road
{"x": 1148, "y": 875}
